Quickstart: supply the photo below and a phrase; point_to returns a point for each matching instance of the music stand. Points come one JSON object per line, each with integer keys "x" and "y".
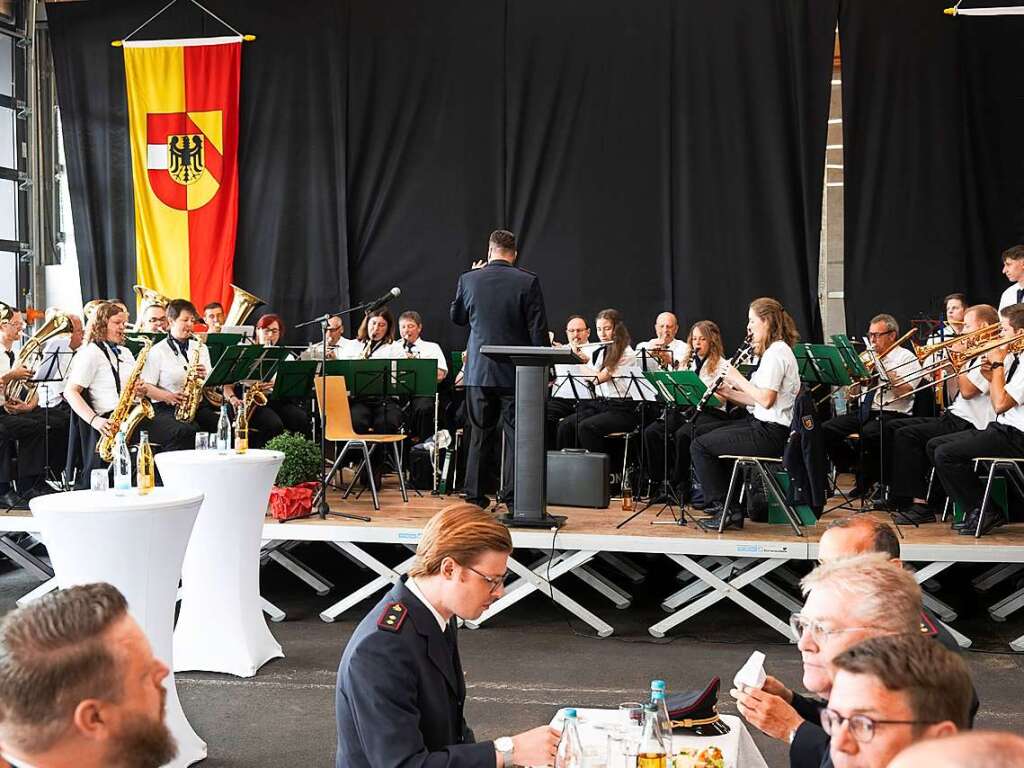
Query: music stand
{"x": 413, "y": 377}
{"x": 134, "y": 341}
{"x": 676, "y": 388}
{"x": 216, "y": 343}
{"x": 50, "y": 372}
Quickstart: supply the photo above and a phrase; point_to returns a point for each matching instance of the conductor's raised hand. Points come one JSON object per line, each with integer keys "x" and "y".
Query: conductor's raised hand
{"x": 536, "y": 747}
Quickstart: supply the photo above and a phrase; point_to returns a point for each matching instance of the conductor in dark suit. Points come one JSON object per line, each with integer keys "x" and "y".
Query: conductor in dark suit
{"x": 401, "y": 690}
{"x": 501, "y": 304}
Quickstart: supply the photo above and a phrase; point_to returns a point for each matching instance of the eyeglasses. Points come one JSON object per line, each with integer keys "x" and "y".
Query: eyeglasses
{"x": 492, "y": 582}
{"x": 879, "y": 335}
{"x": 862, "y": 727}
{"x": 818, "y": 631}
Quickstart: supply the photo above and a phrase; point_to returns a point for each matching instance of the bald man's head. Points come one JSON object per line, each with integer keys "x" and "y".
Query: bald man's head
{"x": 857, "y": 535}
{"x": 666, "y": 326}
{"x": 970, "y": 749}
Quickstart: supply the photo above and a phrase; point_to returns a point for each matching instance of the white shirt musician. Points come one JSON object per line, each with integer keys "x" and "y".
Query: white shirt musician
{"x": 380, "y": 415}
{"x": 1013, "y": 269}
{"x": 413, "y": 345}
{"x": 56, "y": 363}
{"x": 167, "y": 368}
{"x": 664, "y": 351}
{"x": 338, "y": 347}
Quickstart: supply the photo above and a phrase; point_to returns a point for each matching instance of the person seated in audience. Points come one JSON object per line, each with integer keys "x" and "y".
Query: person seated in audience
{"x": 847, "y": 600}
{"x": 974, "y": 749}
{"x": 213, "y": 316}
{"x": 79, "y": 685}
{"x": 953, "y": 457}
{"x": 664, "y": 351}
{"x": 867, "y": 412}
{"x": 612, "y": 410}
{"x": 21, "y": 423}
{"x": 401, "y": 691}
{"x": 154, "y": 319}
{"x": 890, "y": 692}
{"x": 971, "y": 409}
{"x": 419, "y": 411}
{"x": 1013, "y": 269}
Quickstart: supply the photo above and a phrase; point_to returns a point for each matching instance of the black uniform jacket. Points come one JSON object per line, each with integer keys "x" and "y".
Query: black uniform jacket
{"x": 501, "y": 304}
{"x": 401, "y": 691}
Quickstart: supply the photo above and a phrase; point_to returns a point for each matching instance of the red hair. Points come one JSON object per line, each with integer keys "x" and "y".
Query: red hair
{"x": 267, "y": 320}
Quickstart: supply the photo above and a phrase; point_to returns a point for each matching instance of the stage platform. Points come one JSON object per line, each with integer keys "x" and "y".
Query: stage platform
{"x": 713, "y": 566}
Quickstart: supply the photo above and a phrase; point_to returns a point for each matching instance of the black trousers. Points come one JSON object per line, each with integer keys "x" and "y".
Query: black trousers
{"x": 681, "y": 434}
{"x": 909, "y": 451}
{"x": 419, "y": 418}
{"x": 954, "y": 459}
{"x": 28, "y": 432}
{"x": 166, "y": 432}
{"x": 264, "y": 426}
{"x": 376, "y": 414}
{"x": 748, "y": 437}
{"x": 593, "y": 422}
{"x": 293, "y": 415}
{"x": 837, "y": 429}
{"x": 486, "y": 408}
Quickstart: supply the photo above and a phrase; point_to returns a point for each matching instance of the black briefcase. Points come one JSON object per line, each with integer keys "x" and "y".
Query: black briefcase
{"x": 578, "y": 478}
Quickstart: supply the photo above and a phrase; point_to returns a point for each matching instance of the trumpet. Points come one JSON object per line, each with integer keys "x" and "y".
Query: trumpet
{"x": 867, "y": 357}
{"x": 1014, "y": 345}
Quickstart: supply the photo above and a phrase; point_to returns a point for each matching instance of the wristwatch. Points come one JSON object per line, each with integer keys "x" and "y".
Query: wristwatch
{"x": 505, "y": 748}
{"x": 996, "y": 365}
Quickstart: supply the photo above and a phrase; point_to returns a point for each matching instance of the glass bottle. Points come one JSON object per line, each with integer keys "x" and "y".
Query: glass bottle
{"x": 223, "y": 430}
{"x": 146, "y": 467}
{"x": 122, "y": 464}
{"x": 242, "y": 430}
{"x": 652, "y": 752}
{"x": 661, "y": 707}
{"x": 627, "y": 493}
{"x": 570, "y": 748}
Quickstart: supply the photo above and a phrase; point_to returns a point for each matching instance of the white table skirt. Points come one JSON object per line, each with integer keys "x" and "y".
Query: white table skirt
{"x": 221, "y": 627}
{"x": 137, "y": 543}
{"x": 738, "y": 747}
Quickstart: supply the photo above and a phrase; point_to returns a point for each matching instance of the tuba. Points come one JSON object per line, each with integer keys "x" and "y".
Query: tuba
{"x": 192, "y": 389}
{"x": 242, "y": 305}
{"x": 149, "y": 297}
{"x": 126, "y": 414}
{"x": 31, "y": 355}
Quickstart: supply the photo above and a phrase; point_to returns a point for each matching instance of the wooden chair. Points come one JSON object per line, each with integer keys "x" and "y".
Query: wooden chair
{"x": 338, "y": 428}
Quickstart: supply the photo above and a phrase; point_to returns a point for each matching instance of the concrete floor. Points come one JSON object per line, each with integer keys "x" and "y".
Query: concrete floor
{"x": 527, "y": 662}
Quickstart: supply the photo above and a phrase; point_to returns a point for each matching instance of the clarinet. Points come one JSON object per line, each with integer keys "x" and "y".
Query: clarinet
{"x": 738, "y": 359}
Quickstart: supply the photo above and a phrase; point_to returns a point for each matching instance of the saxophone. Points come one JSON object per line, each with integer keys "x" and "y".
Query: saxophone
{"x": 253, "y": 398}
{"x": 192, "y": 389}
{"x": 126, "y": 414}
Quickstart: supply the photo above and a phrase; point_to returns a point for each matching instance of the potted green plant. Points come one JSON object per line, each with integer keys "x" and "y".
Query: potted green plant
{"x": 292, "y": 494}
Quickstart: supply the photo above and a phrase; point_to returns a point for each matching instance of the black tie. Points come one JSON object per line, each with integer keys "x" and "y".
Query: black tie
{"x": 1020, "y": 295}
{"x": 1013, "y": 367}
{"x": 10, "y": 357}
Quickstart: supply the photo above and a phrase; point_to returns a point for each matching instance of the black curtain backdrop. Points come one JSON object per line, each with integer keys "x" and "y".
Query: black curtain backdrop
{"x": 662, "y": 154}
{"x": 932, "y": 111}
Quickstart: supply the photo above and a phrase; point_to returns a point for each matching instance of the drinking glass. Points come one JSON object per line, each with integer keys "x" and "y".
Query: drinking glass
{"x": 202, "y": 441}
{"x": 631, "y": 713}
{"x": 99, "y": 480}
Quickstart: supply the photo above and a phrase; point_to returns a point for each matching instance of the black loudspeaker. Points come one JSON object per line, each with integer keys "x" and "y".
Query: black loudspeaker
{"x": 578, "y": 478}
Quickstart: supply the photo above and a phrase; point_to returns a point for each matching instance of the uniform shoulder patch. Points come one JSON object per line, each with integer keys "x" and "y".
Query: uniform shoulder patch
{"x": 392, "y": 618}
{"x": 928, "y": 629}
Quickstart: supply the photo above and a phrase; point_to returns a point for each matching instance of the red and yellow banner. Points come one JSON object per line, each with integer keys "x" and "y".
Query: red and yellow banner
{"x": 183, "y": 119}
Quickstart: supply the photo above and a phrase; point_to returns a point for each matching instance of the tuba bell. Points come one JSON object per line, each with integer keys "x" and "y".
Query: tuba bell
{"x": 147, "y": 297}
{"x": 242, "y": 305}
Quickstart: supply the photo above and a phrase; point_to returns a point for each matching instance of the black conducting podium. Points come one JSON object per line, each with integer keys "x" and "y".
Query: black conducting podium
{"x": 529, "y": 505}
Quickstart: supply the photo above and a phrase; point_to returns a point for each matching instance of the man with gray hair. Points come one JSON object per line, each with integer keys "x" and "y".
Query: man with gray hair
{"x": 964, "y": 750}
{"x": 865, "y": 414}
{"x": 79, "y": 685}
{"x": 889, "y": 692}
{"x": 847, "y": 600}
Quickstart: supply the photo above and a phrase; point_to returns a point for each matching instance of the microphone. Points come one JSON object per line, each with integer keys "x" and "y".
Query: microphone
{"x": 394, "y": 293}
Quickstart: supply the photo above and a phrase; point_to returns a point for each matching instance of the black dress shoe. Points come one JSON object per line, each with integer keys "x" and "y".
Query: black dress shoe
{"x": 994, "y": 519}
{"x": 11, "y": 500}
{"x": 732, "y": 520}
{"x": 915, "y": 514}
{"x": 714, "y": 509}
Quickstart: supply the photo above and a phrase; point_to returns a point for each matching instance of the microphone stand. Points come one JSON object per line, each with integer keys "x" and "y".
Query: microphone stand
{"x": 320, "y": 503}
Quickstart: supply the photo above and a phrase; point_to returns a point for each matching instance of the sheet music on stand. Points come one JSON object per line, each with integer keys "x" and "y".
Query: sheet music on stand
{"x": 52, "y": 371}
{"x": 574, "y": 382}
{"x": 639, "y": 388}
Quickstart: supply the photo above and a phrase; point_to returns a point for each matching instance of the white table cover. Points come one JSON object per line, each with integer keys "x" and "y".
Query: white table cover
{"x": 137, "y": 543}
{"x": 221, "y": 627}
{"x": 738, "y": 747}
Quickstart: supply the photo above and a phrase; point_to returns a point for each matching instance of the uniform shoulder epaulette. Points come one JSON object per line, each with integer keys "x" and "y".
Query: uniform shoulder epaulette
{"x": 392, "y": 618}
{"x": 522, "y": 269}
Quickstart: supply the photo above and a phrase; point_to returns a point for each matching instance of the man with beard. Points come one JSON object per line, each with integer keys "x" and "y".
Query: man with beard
{"x": 79, "y": 685}
{"x": 401, "y": 690}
